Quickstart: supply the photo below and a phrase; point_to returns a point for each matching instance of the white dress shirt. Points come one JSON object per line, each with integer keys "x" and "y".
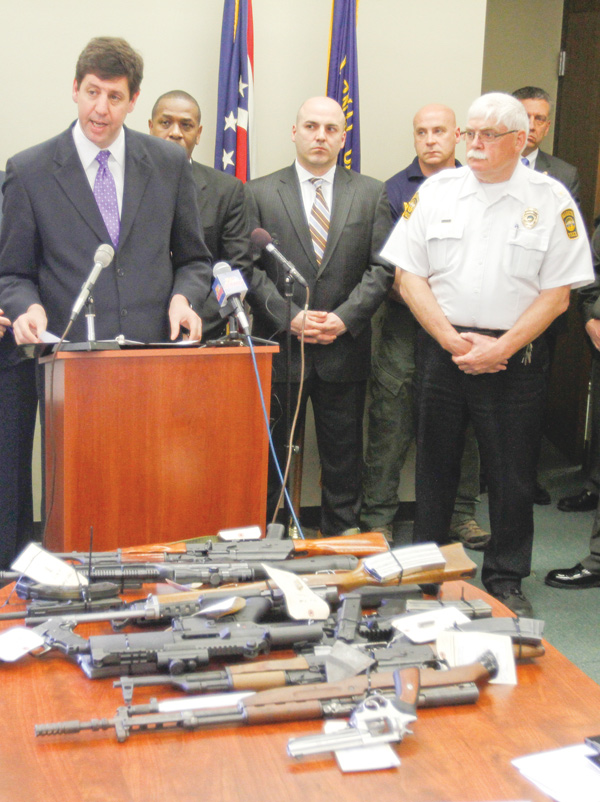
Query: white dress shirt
{"x": 88, "y": 151}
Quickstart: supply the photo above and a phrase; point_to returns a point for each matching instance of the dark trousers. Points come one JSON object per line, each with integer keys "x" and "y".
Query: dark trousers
{"x": 506, "y": 409}
{"x": 338, "y": 410}
{"x": 18, "y": 403}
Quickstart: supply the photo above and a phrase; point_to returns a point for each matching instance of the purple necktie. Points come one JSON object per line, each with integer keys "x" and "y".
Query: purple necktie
{"x": 105, "y": 192}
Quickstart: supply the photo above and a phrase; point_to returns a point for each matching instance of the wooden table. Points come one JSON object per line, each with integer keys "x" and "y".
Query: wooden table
{"x": 459, "y": 754}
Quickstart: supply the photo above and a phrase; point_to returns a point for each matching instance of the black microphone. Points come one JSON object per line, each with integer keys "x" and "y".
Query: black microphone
{"x": 102, "y": 258}
{"x": 262, "y": 239}
{"x": 228, "y": 286}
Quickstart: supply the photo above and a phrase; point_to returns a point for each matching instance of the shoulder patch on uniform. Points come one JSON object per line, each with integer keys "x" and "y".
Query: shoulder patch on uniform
{"x": 410, "y": 206}
{"x": 568, "y": 218}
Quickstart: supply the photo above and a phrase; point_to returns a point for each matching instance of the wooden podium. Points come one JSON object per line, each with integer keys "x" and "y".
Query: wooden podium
{"x": 154, "y": 445}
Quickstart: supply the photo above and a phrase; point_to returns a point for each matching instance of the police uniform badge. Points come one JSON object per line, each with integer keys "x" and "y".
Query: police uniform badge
{"x": 410, "y": 206}
{"x": 568, "y": 218}
{"x": 530, "y": 218}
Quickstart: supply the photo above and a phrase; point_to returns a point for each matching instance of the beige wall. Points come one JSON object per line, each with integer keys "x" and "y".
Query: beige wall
{"x": 522, "y": 47}
{"x": 410, "y": 54}
{"x": 406, "y": 58}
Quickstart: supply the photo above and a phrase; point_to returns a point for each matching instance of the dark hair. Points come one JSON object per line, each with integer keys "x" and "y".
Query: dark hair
{"x": 177, "y": 94}
{"x": 109, "y": 57}
{"x": 532, "y": 93}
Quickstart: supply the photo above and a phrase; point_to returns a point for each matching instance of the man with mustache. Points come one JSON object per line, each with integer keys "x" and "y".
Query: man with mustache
{"x": 488, "y": 253}
{"x": 391, "y": 418}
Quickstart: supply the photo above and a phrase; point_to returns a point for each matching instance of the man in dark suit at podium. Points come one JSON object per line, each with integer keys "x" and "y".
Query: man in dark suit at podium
{"x": 176, "y": 117}
{"x": 95, "y": 183}
{"x": 18, "y": 402}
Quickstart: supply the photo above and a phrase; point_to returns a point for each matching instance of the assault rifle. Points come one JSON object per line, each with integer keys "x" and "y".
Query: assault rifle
{"x": 322, "y": 664}
{"x": 157, "y": 609}
{"x": 269, "y": 549}
{"x": 294, "y": 703}
{"x": 133, "y": 576}
{"x": 189, "y": 644}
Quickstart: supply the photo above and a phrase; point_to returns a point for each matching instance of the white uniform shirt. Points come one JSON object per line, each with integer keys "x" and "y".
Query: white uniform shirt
{"x": 487, "y": 256}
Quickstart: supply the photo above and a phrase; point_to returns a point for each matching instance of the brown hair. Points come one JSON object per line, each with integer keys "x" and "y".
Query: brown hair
{"x": 110, "y": 57}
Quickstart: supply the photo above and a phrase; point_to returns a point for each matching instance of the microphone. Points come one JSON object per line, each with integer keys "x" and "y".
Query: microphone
{"x": 102, "y": 258}
{"x": 228, "y": 286}
{"x": 262, "y": 239}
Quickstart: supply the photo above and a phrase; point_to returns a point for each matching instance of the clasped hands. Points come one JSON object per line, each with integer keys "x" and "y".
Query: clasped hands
{"x": 476, "y": 353}
{"x": 321, "y": 328}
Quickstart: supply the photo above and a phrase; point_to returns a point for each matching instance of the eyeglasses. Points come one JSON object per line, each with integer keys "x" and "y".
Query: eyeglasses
{"x": 485, "y": 136}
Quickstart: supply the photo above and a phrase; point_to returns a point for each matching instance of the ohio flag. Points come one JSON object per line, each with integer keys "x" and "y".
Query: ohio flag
{"x": 236, "y": 90}
{"x": 342, "y": 77}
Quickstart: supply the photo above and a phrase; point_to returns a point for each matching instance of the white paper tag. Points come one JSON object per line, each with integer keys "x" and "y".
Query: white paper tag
{"x": 213, "y": 701}
{"x": 302, "y": 603}
{"x": 17, "y": 641}
{"x": 425, "y": 627}
{"x": 462, "y": 648}
{"x": 363, "y": 758}
{"x": 41, "y": 566}
{"x": 243, "y": 533}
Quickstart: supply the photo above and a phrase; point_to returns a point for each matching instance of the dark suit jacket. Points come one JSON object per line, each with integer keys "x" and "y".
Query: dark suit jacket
{"x": 556, "y": 168}
{"x": 222, "y": 208}
{"x": 8, "y": 350}
{"x": 589, "y": 297}
{"x": 351, "y": 281}
{"x": 52, "y": 228}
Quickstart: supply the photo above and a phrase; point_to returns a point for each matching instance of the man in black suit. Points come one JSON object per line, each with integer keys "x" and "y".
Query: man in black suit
{"x": 347, "y": 282}
{"x": 53, "y": 222}
{"x": 586, "y": 574}
{"x": 18, "y": 401}
{"x": 538, "y": 107}
{"x": 176, "y": 117}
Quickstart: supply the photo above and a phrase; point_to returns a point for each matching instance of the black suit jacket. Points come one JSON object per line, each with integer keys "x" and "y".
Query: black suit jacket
{"x": 52, "y": 228}
{"x": 8, "y": 350}
{"x": 557, "y": 168}
{"x": 351, "y": 281}
{"x": 589, "y": 297}
{"x": 222, "y": 207}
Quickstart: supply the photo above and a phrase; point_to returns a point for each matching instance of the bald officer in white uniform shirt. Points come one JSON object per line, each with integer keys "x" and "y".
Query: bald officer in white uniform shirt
{"x": 489, "y": 253}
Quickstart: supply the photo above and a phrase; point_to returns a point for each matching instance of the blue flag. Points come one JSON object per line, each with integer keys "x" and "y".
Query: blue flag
{"x": 236, "y": 90}
{"x": 342, "y": 77}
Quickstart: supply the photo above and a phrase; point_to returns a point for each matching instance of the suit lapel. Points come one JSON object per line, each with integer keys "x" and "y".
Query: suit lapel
{"x": 138, "y": 168}
{"x": 71, "y": 176}
{"x": 343, "y": 195}
{"x": 200, "y": 182}
{"x": 542, "y": 163}
{"x": 291, "y": 197}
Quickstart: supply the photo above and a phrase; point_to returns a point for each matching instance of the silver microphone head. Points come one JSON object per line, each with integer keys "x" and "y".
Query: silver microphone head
{"x": 220, "y": 268}
{"x": 104, "y": 255}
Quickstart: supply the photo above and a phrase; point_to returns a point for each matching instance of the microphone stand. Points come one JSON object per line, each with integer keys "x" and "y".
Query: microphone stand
{"x": 90, "y": 314}
{"x": 288, "y": 293}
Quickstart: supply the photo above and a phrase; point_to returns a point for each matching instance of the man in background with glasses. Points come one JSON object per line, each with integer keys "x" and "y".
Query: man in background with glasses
{"x": 488, "y": 255}
{"x": 538, "y": 107}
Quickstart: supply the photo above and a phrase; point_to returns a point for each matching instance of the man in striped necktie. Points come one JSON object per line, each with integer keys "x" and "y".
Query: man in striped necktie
{"x": 331, "y": 223}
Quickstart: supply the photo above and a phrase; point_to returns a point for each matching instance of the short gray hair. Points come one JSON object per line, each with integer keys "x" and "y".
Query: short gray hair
{"x": 500, "y": 108}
